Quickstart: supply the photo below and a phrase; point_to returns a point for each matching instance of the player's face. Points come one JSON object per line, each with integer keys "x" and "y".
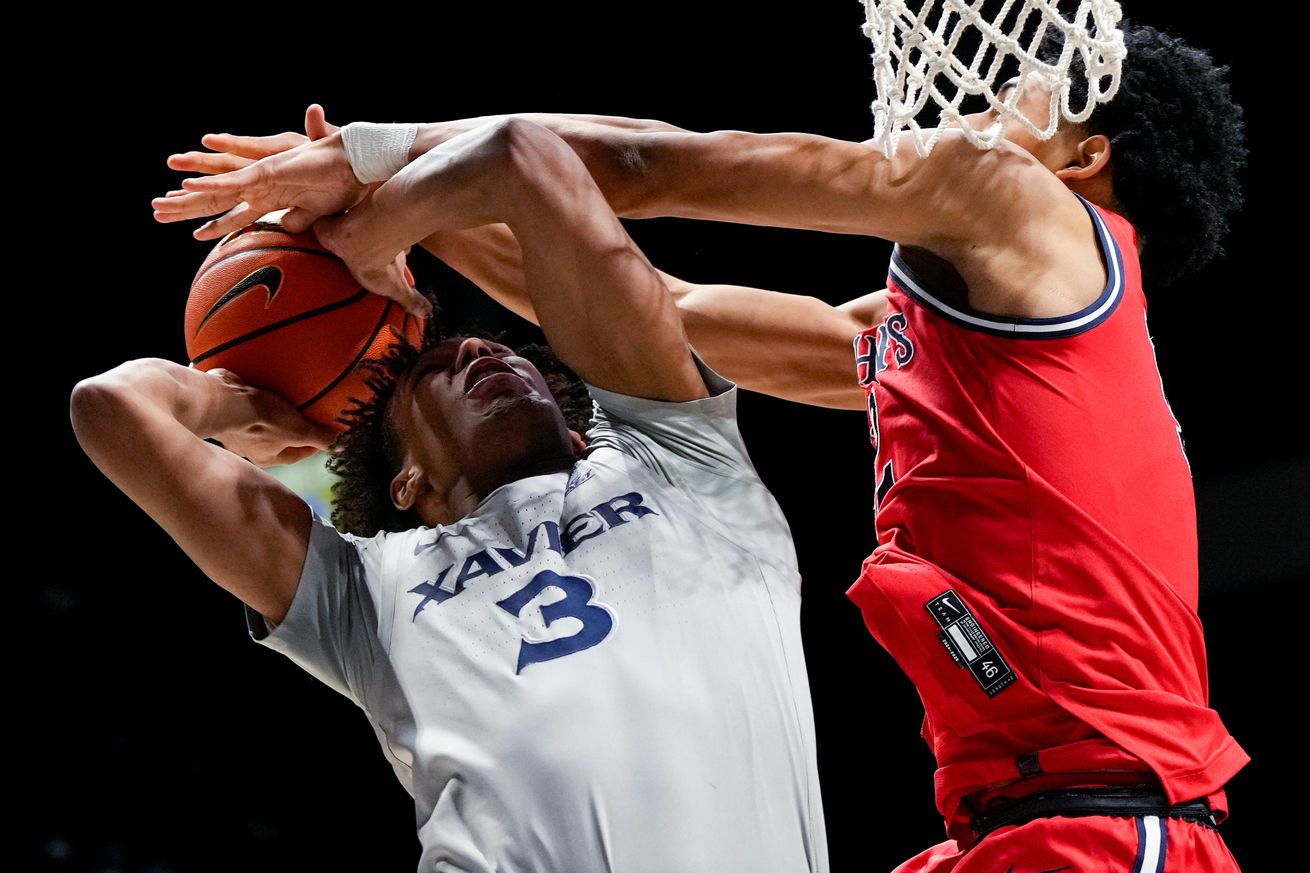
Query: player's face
{"x": 469, "y": 408}
{"x": 1033, "y": 102}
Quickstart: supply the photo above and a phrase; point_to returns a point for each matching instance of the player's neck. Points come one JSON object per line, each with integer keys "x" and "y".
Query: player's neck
{"x": 468, "y": 492}
{"x": 1098, "y": 190}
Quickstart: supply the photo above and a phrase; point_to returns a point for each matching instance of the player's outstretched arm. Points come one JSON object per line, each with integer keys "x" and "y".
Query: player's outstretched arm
{"x": 808, "y": 341}
{"x": 144, "y": 424}
{"x": 605, "y": 310}
{"x": 309, "y": 173}
{"x": 646, "y": 169}
{"x": 789, "y": 346}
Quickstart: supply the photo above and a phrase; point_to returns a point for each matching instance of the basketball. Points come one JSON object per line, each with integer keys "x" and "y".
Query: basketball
{"x": 284, "y": 314}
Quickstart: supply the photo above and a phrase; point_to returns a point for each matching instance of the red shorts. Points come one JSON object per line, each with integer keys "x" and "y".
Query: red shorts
{"x": 1087, "y": 844}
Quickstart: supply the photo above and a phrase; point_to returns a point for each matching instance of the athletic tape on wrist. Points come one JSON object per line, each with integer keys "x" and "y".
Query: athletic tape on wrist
{"x": 377, "y": 151}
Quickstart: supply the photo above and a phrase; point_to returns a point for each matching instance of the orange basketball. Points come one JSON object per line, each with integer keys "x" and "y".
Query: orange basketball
{"x": 284, "y": 314}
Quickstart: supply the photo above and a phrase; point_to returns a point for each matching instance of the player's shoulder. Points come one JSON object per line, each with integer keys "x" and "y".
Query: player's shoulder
{"x": 675, "y": 440}
{"x": 372, "y": 549}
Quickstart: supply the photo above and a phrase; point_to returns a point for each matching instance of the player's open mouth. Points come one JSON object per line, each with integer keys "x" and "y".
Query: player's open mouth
{"x": 486, "y": 373}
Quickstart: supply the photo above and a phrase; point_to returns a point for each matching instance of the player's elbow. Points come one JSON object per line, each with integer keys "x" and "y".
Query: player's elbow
{"x": 535, "y": 169}
{"x": 531, "y": 155}
{"x": 92, "y": 404}
{"x": 97, "y": 404}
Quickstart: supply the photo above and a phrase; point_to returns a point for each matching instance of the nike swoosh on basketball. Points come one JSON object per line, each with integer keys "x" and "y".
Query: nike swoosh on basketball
{"x": 269, "y": 277}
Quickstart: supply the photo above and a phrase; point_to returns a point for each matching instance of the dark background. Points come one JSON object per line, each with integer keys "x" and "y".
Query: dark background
{"x": 153, "y": 736}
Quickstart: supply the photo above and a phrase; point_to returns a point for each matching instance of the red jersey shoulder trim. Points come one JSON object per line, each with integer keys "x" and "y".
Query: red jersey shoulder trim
{"x": 1013, "y": 327}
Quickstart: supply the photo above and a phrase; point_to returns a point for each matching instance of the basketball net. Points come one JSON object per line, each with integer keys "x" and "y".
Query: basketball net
{"x": 917, "y": 58}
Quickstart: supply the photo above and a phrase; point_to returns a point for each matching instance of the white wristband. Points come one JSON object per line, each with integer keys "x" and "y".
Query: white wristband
{"x": 377, "y": 151}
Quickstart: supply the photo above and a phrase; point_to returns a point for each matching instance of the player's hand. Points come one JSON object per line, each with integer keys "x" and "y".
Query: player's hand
{"x": 263, "y": 427}
{"x": 377, "y": 265}
{"x": 255, "y": 175}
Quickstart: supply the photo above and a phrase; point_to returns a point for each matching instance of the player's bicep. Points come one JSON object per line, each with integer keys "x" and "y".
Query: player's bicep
{"x": 807, "y": 181}
{"x": 240, "y": 526}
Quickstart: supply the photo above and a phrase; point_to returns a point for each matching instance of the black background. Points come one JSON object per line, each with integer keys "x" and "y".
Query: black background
{"x": 153, "y": 736}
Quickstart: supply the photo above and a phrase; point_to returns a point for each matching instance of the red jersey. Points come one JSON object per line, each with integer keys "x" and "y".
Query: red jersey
{"x": 1035, "y": 574}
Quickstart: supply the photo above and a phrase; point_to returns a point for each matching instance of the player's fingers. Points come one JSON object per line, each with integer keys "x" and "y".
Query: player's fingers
{"x": 252, "y": 146}
{"x": 225, "y": 375}
{"x": 319, "y": 437}
{"x": 387, "y": 281}
{"x": 233, "y": 181}
{"x": 410, "y": 300}
{"x": 291, "y": 455}
{"x": 396, "y": 283}
{"x": 316, "y": 123}
{"x": 298, "y": 220}
{"x": 206, "y": 162}
{"x": 170, "y": 217}
{"x": 187, "y": 206}
{"x": 192, "y": 204}
{"x": 234, "y": 219}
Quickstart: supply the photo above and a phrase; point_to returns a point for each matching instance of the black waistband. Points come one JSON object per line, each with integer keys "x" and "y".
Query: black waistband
{"x": 1126, "y": 802}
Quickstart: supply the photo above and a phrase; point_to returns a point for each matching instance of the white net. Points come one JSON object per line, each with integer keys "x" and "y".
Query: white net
{"x": 919, "y": 51}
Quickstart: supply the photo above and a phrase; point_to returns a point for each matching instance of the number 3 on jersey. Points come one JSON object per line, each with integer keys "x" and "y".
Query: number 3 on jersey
{"x": 597, "y": 622}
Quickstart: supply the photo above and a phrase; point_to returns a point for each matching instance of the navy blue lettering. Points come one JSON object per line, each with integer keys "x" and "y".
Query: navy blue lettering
{"x": 475, "y": 565}
{"x": 891, "y": 336}
{"x": 579, "y": 529}
{"x": 904, "y": 349}
{"x": 613, "y": 510}
{"x": 864, "y": 358}
{"x": 514, "y": 558}
{"x": 432, "y": 591}
{"x": 886, "y": 479}
{"x": 875, "y": 428}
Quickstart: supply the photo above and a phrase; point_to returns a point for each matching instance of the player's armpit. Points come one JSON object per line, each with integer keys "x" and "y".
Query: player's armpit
{"x": 144, "y": 425}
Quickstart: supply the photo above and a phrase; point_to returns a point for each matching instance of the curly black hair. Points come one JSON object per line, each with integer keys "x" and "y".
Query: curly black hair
{"x": 367, "y": 456}
{"x": 1178, "y": 146}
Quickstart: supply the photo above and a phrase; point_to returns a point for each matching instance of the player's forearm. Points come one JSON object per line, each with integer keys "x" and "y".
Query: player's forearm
{"x": 448, "y": 199}
{"x": 142, "y": 425}
{"x": 647, "y": 169}
{"x": 113, "y": 406}
{"x": 610, "y": 146}
{"x": 489, "y": 257}
{"x": 460, "y": 184}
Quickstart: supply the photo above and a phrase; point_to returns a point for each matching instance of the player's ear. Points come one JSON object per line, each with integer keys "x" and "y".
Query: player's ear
{"x": 407, "y": 486}
{"x": 1091, "y": 158}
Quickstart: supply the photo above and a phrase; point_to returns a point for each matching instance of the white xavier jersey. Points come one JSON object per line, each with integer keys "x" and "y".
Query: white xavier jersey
{"x": 595, "y": 671}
